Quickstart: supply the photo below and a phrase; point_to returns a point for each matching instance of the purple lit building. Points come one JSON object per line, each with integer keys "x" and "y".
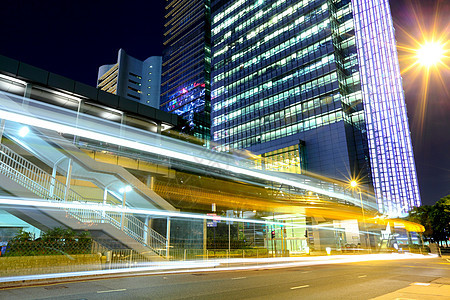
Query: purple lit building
{"x": 186, "y": 66}
{"x": 314, "y": 86}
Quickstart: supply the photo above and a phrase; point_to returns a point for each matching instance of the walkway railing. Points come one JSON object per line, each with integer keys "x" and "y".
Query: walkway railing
{"x": 38, "y": 181}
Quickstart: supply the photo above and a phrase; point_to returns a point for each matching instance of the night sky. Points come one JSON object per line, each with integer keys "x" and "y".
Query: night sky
{"x": 73, "y": 38}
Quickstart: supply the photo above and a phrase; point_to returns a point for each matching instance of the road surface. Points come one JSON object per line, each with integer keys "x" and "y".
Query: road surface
{"x": 362, "y": 280}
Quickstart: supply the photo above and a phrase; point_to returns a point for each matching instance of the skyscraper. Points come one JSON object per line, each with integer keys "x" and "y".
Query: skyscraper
{"x": 186, "y": 68}
{"x": 315, "y": 86}
{"x": 132, "y": 78}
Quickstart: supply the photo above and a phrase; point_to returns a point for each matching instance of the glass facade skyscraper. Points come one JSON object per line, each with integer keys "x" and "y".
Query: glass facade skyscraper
{"x": 186, "y": 69}
{"x": 315, "y": 86}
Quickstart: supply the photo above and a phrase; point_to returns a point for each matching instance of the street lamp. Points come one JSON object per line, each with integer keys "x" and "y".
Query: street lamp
{"x": 124, "y": 191}
{"x": 353, "y": 185}
{"x": 430, "y": 53}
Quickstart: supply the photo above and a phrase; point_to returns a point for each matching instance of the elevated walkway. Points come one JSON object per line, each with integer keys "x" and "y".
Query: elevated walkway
{"x": 23, "y": 179}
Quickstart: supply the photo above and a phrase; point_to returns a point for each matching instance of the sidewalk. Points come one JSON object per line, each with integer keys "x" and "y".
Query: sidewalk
{"x": 437, "y": 289}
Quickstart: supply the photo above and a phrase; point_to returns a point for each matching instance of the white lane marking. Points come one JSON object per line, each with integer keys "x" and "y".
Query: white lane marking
{"x": 421, "y": 283}
{"x": 238, "y": 278}
{"x": 299, "y": 287}
{"x": 362, "y": 276}
{"x": 304, "y": 272}
{"x": 111, "y": 291}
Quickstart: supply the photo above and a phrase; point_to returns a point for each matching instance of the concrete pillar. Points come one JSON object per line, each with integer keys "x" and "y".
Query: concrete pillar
{"x": 52, "y": 183}
{"x": 168, "y": 238}
{"x": 80, "y": 106}
{"x": 68, "y": 179}
{"x": 158, "y": 128}
{"x": 105, "y": 197}
{"x": 124, "y": 202}
{"x": 316, "y": 234}
{"x": 148, "y": 227}
{"x": 2, "y": 128}
{"x": 205, "y": 228}
{"x": 27, "y": 92}
{"x": 150, "y": 182}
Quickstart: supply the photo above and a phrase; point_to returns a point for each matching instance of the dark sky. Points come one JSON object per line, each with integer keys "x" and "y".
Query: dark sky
{"x": 73, "y": 38}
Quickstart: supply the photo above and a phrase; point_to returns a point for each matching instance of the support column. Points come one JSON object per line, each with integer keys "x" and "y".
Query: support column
{"x": 205, "y": 232}
{"x": 105, "y": 197}
{"x": 168, "y": 238}
{"x": 68, "y": 179}
{"x": 2, "y": 128}
{"x": 158, "y": 128}
{"x": 122, "y": 122}
{"x": 76, "y": 139}
{"x": 150, "y": 182}
{"x": 27, "y": 92}
{"x": 124, "y": 202}
{"x": 148, "y": 227}
{"x": 52, "y": 181}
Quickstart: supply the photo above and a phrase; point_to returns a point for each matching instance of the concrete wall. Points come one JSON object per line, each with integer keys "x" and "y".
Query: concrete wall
{"x": 29, "y": 265}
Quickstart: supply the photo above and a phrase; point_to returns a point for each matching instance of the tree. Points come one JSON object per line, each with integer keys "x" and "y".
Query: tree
{"x": 435, "y": 218}
{"x": 440, "y": 220}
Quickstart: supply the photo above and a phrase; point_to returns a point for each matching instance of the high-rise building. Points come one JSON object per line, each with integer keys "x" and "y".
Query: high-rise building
{"x": 186, "y": 68}
{"x": 132, "y": 78}
{"x": 315, "y": 86}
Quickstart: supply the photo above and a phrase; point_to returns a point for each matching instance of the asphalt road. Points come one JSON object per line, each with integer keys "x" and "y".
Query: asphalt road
{"x": 363, "y": 280}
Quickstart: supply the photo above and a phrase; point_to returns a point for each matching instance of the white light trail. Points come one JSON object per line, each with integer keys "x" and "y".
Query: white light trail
{"x": 214, "y": 266}
{"x": 120, "y": 141}
{"x": 31, "y": 202}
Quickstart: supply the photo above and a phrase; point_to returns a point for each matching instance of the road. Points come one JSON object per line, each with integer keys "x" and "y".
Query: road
{"x": 362, "y": 280}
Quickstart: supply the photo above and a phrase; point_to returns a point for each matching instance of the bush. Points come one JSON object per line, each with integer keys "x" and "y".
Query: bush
{"x": 56, "y": 241}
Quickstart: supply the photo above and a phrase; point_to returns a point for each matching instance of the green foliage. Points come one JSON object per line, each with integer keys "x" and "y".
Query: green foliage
{"x": 56, "y": 241}
{"x": 22, "y": 236}
{"x": 435, "y": 218}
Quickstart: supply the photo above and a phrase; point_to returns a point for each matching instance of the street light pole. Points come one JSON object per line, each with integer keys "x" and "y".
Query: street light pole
{"x": 354, "y": 184}
{"x": 364, "y": 219}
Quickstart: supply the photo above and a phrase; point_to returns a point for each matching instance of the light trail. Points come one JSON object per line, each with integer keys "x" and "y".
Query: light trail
{"x": 100, "y": 207}
{"x": 59, "y": 126}
{"x": 214, "y": 266}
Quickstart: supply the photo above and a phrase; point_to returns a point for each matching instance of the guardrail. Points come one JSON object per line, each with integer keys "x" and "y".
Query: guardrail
{"x": 38, "y": 181}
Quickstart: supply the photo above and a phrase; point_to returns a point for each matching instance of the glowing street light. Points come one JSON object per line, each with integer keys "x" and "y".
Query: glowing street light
{"x": 430, "y": 54}
{"x": 125, "y": 190}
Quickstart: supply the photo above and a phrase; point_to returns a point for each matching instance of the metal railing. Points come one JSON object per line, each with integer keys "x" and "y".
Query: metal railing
{"x": 200, "y": 254}
{"x": 38, "y": 181}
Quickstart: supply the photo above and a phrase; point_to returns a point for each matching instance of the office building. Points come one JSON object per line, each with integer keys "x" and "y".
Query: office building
{"x": 131, "y": 78}
{"x": 314, "y": 86}
{"x": 186, "y": 66}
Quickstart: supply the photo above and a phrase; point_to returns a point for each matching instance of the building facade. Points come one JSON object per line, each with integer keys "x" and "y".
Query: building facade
{"x": 186, "y": 68}
{"x": 132, "y": 78}
{"x": 314, "y": 86}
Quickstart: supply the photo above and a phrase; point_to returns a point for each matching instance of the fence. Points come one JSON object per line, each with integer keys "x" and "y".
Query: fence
{"x": 39, "y": 247}
{"x": 200, "y": 254}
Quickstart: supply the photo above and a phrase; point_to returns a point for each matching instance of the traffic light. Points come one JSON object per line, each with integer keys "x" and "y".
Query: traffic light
{"x": 273, "y": 234}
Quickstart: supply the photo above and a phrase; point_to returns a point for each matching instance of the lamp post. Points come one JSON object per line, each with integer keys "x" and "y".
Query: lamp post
{"x": 353, "y": 185}
{"x": 124, "y": 191}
